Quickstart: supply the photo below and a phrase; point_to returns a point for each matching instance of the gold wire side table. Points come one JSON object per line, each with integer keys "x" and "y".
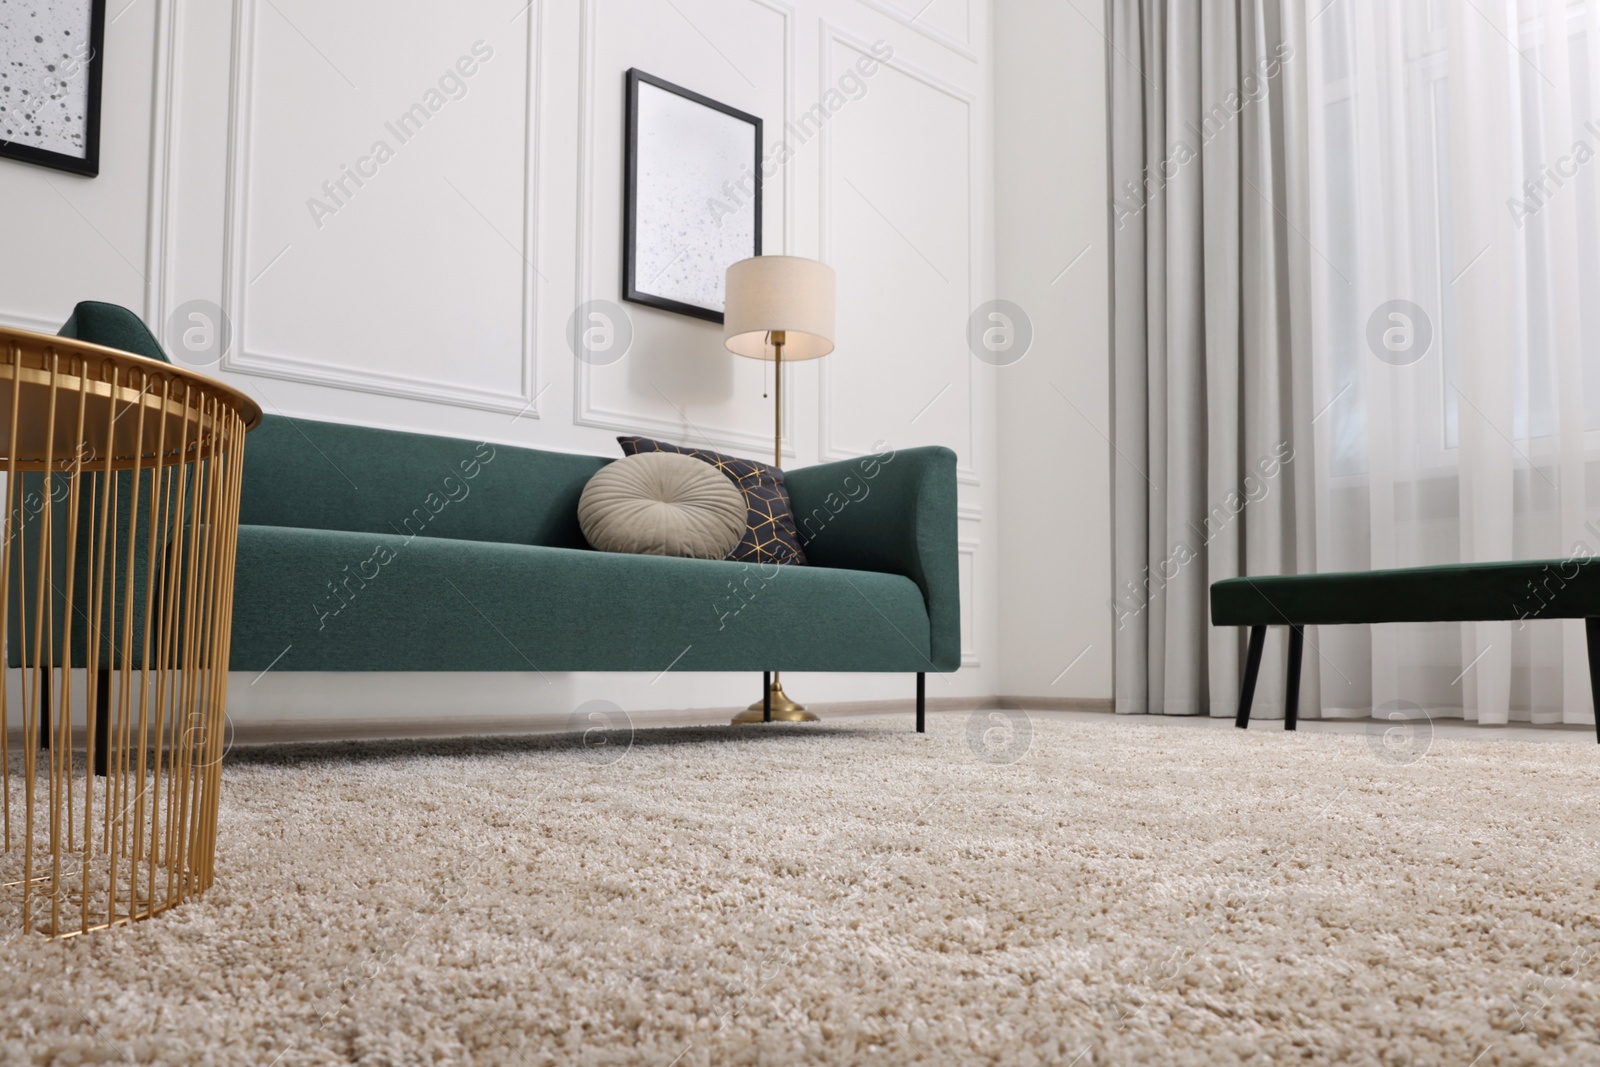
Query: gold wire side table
{"x": 121, "y": 496}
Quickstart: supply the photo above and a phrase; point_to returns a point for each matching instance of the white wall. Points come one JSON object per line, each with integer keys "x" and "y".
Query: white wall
{"x": 1053, "y": 253}
{"x": 437, "y": 298}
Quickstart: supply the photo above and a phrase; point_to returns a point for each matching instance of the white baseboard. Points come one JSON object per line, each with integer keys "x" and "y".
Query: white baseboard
{"x": 1055, "y": 703}
{"x": 265, "y": 732}
{"x": 260, "y": 731}
{"x": 284, "y": 731}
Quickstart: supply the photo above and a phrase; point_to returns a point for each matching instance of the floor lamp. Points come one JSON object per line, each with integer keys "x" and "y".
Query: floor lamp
{"x": 779, "y": 308}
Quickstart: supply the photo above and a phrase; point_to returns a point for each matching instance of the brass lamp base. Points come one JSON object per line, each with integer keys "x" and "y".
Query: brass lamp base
{"x": 783, "y": 709}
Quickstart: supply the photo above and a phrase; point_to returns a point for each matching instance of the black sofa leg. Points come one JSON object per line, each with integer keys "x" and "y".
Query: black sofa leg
{"x": 1291, "y": 691}
{"x": 102, "y": 716}
{"x": 1594, "y": 670}
{"x": 102, "y": 721}
{"x": 922, "y": 703}
{"x": 766, "y": 696}
{"x": 1252, "y": 667}
{"x": 44, "y": 709}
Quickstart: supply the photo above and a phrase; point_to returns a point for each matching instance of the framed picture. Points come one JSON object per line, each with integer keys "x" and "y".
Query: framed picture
{"x": 50, "y": 83}
{"x": 693, "y": 196}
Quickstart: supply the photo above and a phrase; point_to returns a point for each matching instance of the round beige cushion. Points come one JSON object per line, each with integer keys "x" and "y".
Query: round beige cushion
{"x": 662, "y": 504}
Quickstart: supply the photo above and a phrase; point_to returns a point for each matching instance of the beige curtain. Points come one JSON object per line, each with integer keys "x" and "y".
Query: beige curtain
{"x": 1212, "y": 405}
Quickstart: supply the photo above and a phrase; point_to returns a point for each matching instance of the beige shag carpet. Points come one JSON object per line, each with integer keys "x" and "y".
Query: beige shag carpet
{"x": 1097, "y": 893}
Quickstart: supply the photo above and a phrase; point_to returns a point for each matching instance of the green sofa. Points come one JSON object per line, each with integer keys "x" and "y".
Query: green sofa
{"x": 378, "y": 550}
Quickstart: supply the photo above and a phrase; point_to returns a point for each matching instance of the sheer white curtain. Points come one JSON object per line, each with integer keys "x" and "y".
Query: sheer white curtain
{"x": 1455, "y": 220}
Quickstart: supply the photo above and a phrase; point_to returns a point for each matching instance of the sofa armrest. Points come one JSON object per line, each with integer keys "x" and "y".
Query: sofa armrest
{"x": 894, "y": 512}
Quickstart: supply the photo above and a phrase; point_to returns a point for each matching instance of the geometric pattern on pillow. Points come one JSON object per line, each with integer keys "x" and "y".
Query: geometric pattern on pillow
{"x": 770, "y": 534}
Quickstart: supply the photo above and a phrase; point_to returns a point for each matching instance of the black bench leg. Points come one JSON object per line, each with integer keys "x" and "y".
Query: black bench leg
{"x": 1291, "y": 692}
{"x": 766, "y": 696}
{"x": 1252, "y": 667}
{"x": 1594, "y": 670}
{"x": 922, "y": 702}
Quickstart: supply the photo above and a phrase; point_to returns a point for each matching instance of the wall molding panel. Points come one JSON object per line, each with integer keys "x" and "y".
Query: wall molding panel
{"x": 522, "y": 402}
{"x": 159, "y": 244}
{"x": 961, "y": 47}
{"x": 831, "y": 35}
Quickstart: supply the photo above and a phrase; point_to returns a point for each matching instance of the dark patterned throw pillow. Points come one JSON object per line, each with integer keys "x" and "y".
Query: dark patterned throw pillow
{"x": 770, "y": 535}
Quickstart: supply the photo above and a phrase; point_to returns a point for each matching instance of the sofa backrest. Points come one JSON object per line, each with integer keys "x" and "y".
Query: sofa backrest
{"x": 331, "y": 476}
{"x": 100, "y": 323}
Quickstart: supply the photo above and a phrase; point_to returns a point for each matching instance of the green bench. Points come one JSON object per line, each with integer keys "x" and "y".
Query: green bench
{"x": 1513, "y": 591}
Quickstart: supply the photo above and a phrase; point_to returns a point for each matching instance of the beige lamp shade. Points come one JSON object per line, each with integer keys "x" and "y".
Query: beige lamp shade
{"x": 785, "y": 293}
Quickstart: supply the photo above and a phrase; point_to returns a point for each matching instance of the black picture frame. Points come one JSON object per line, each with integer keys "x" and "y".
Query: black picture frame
{"x": 632, "y": 289}
{"x": 89, "y": 165}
